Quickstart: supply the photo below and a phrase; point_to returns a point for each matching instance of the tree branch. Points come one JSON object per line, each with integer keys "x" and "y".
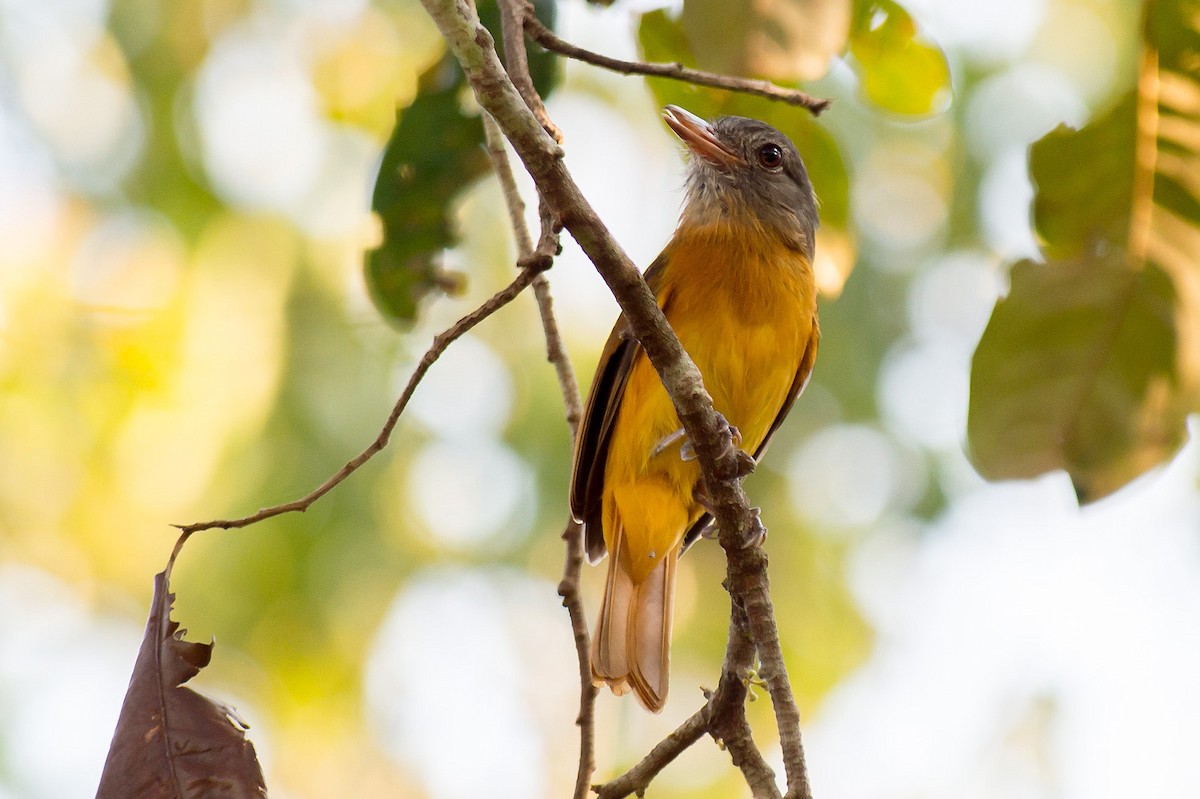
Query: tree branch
{"x": 750, "y": 593}
{"x": 727, "y": 720}
{"x": 723, "y": 717}
{"x": 532, "y": 267}
{"x": 516, "y": 59}
{"x": 720, "y": 465}
{"x": 676, "y": 71}
{"x": 638, "y": 778}
{"x": 568, "y": 589}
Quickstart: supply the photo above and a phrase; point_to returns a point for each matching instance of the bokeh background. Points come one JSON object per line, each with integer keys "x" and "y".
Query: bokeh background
{"x": 185, "y": 333}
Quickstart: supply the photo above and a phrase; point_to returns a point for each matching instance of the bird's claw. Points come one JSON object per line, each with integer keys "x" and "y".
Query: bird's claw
{"x": 756, "y": 535}
{"x": 735, "y": 437}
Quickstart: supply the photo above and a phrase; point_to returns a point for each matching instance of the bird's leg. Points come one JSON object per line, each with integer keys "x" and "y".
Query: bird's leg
{"x": 668, "y": 440}
{"x": 687, "y": 452}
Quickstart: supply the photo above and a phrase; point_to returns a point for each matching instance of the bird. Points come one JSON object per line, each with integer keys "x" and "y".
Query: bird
{"x": 735, "y": 281}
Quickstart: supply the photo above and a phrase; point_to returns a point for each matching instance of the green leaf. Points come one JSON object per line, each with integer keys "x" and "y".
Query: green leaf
{"x": 434, "y": 153}
{"x": 1078, "y": 203}
{"x": 900, "y": 69}
{"x": 1092, "y": 363}
{"x": 662, "y": 38}
{"x": 1077, "y": 370}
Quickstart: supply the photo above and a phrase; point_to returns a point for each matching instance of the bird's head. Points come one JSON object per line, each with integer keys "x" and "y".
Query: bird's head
{"x": 744, "y": 171}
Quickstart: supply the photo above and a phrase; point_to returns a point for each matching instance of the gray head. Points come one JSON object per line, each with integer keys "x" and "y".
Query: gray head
{"x": 744, "y": 171}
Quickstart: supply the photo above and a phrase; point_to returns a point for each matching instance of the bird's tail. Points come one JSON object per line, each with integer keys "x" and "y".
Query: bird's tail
{"x": 632, "y": 644}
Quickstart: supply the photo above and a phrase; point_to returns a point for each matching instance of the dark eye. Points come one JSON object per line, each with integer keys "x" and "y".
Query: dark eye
{"x": 770, "y": 156}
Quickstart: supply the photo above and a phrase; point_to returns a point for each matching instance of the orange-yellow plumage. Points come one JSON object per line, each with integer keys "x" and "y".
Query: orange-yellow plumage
{"x": 740, "y": 294}
{"x": 745, "y": 314}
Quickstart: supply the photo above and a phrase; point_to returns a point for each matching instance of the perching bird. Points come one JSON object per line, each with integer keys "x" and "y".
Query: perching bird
{"x": 736, "y": 283}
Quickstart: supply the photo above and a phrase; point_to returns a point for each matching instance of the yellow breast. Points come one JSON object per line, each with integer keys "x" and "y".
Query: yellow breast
{"x": 745, "y": 314}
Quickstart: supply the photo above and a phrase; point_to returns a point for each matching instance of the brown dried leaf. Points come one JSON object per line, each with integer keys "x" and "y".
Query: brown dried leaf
{"x": 170, "y": 741}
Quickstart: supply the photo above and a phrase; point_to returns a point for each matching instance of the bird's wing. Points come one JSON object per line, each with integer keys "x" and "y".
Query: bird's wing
{"x": 807, "y": 361}
{"x": 599, "y": 416}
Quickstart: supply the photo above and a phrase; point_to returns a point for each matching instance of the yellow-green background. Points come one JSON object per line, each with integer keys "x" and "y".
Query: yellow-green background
{"x": 185, "y": 334}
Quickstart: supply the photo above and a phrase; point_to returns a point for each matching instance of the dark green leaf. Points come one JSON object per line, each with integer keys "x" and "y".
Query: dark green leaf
{"x": 1077, "y": 370}
{"x": 171, "y": 742}
{"x": 1080, "y": 201}
{"x": 435, "y": 151}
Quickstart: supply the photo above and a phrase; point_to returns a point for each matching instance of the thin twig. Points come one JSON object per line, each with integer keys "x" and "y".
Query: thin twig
{"x": 568, "y": 587}
{"x": 179, "y": 542}
{"x": 675, "y": 71}
{"x": 516, "y": 59}
{"x": 494, "y": 144}
{"x": 440, "y": 343}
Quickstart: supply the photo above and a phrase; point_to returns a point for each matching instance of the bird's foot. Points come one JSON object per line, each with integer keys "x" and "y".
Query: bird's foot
{"x": 687, "y": 452}
{"x": 756, "y": 535}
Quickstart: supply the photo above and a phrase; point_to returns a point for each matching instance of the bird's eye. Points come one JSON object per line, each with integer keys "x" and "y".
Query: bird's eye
{"x": 770, "y": 156}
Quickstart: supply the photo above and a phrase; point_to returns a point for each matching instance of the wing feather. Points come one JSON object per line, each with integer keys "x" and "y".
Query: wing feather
{"x": 599, "y": 416}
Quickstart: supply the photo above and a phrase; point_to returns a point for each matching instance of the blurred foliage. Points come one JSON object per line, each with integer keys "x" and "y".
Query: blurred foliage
{"x": 1091, "y": 364}
{"x": 435, "y": 151}
{"x": 1075, "y": 371}
{"x": 901, "y": 69}
{"x": 782, "y": 40}
{"x": 171, "y": 350}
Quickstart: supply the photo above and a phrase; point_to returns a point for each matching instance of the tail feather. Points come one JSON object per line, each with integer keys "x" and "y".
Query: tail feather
{"x": 649, "y": 634}
{"x": 632, "y": 644}
{"x": 609, "y": 655}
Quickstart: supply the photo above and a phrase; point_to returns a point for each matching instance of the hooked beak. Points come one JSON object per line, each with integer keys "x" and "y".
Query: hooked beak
{"x": 700, "y": 138}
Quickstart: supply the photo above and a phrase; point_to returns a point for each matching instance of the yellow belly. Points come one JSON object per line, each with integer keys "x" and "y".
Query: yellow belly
{"x": 745, "y": 319}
